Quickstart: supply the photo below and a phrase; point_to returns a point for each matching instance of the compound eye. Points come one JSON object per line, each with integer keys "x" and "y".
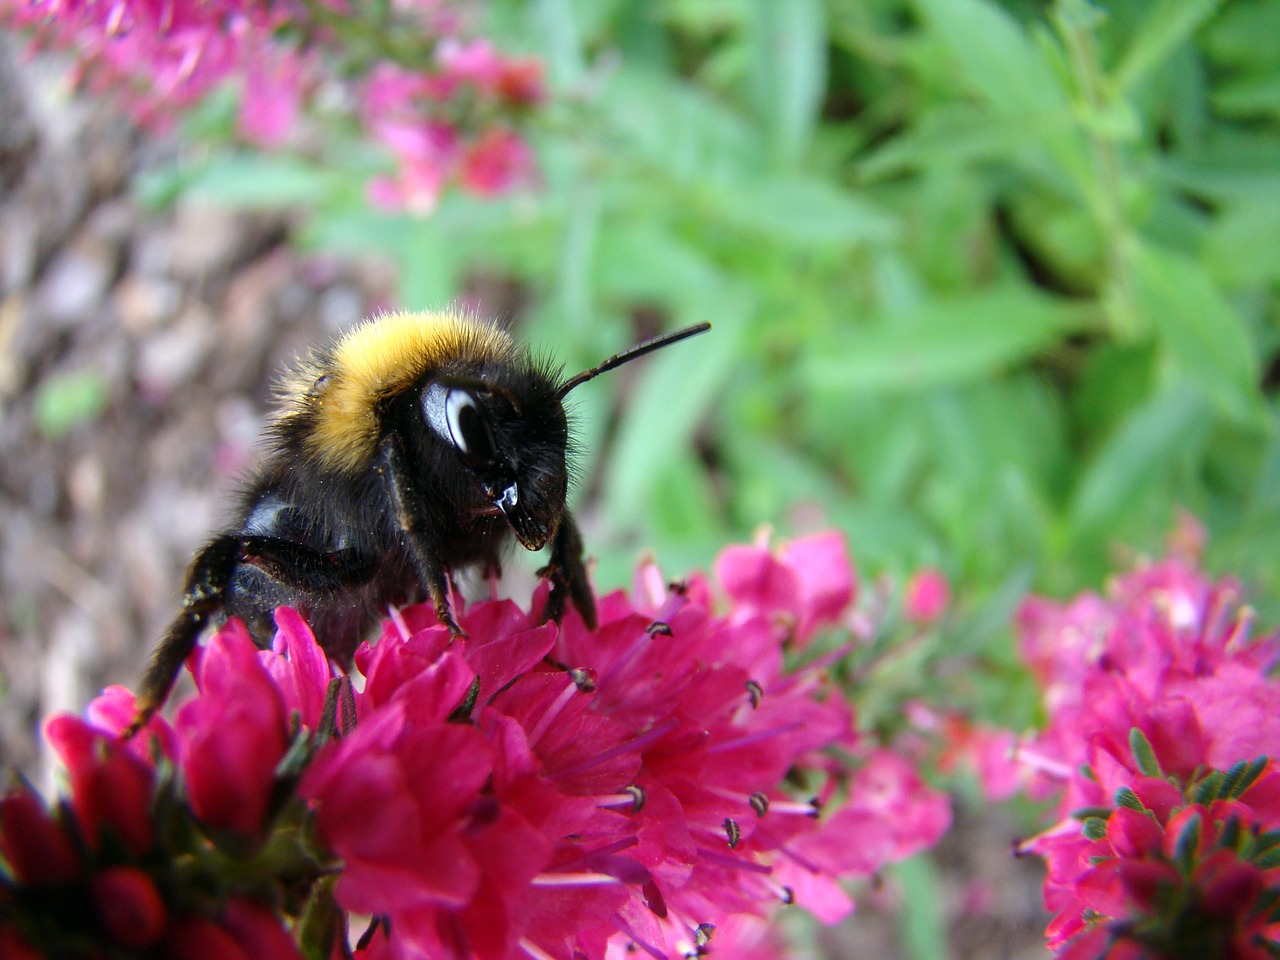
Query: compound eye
{"x": 468, "y": 428}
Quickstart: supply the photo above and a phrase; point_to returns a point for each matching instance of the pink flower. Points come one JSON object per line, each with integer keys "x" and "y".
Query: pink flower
{"x": 528, "y": 790}
{"x": 163, "y": 56}
{"x": 809, "y": 585}
{"x": 158, "y": 58}
{"x": 113, "y": 711}
{"x": 129, "y": 907}
{"x": 927, "y": 595}
{"x": 990, "y": 753}
{"x": 271, "y": 99}
{"x": 475, "y": 62}
{"x": 298, "y": 668}
{"x": 421, "y": 779}
{"x": 245, "y": 931}
{"x": 100, "y": 877}
{"x": 638, "y": 800}
{"x": 110, "y": 788}
{"x": 1161, "y": 719}
{"x": 257, "y": 929}
{"x": 36, "y": 848}
{"x": 1160, "y": 885}
{"x": 432, "y": 145}
{"x": 233, "y": 736}
{"x": 495, "y": 162}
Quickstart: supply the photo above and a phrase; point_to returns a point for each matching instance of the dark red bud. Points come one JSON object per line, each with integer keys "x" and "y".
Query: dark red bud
{"x": 35, "y": 847}
{"x": 128, "y": 906}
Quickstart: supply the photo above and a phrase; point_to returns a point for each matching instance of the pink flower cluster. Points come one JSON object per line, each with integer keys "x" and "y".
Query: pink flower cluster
{"x": 448, "y": 109}
{"x": 660, "y": 784}
{"x": 163, "y": 56}
{"x": 1164, "y": 726}
{"x": 96, "y": 877}
{"x": 452, "y": 124}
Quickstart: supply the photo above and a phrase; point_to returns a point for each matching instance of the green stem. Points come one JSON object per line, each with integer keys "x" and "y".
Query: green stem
{"x": 1076, "y": 20}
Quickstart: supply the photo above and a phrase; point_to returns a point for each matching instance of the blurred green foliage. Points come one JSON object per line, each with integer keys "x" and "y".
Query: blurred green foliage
{"x": 994, "y": 285}
{"x": 66, "y": 401}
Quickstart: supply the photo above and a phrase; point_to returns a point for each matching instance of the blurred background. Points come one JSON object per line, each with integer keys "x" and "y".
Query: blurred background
{"x": 994, "y": 288}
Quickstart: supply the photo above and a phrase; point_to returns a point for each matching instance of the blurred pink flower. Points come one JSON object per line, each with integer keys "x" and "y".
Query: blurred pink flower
{"x": 1190, "y": 879}
{"x": 989, "y": 752}
{"x": 810, "y": 584}
{"x": 927, "y": 595}
{"x": 36, "y": 848}
{"x": 449, "y": 118}
{"x": 110, "y": 788}
{"x": 160, "y": 57}
{"x": 245, "y": 931}
{"x": 1162, "y": 717}
{"x": 1169, "y": 654}
{"x": 416, "y": 115}
{"x": 129, "y": 906}
{"x": 495, "y": 162}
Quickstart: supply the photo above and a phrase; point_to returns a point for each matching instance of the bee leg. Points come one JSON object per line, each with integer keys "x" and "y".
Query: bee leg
{"x": 409, "y": 516}
{"x": 297, "y": 566}
{"x": 568, "y": 575}
{"x": 203, "y": 595}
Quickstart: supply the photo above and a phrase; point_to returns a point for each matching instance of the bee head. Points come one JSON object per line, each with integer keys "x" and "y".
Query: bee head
{"x": 506, "y": 424}
{"x": 511, "y": 444}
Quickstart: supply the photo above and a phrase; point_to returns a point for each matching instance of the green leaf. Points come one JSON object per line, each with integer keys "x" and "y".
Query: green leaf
{"x": 65, "y": 401}
{"x": 1125, "y": 797}
{"x": 558, "y": 22}
{"x": 429, "y": 271}
{"x": 1166, "y": 24}
{"x": 1091, "y": 813}
{"x": 1185, "y": 847}
{"x": 1143, "y": 754}
{"x": 944, "y": 342}
{"x": 1269, "y": 840}
{"x": 805, "y": 212}
{"x": 321, "y": 920}
{"x": 1138, "y": 452}
{"x": 648, "y": 262}
{"x": 1210, "y": 788}
{"x": 1249, "y": 97}
{"x": 995, "y": 56}
{"x": 922, "y": 922}
{"x": 1241, "y": 243}
{"x": 790, "y": 73}
{"x": 1095, "y": 828}
{"x": 1229, "y": 838}
{"x": 261, "y": 181}
{"x": 1244, "y": 35}
{"x": 1267, "y": 861}
{"x": 675, "y": 392}
{"x": 958, "y": 133}
{"x": 678, "y": 130}
{"x": 1204, "y": 335}
{"x": 1246, "y": 778}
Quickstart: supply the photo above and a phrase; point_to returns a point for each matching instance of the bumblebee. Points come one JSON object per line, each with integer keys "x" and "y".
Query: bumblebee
{"x": 415, "y": 445}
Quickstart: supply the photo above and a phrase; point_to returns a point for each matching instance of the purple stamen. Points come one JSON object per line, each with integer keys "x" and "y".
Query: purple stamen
{"x": 636, "y": 743}
{"x": 756, "y": 737}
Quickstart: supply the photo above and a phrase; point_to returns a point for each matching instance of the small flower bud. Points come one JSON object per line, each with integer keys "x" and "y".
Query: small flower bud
{"x": 128, "y": 906}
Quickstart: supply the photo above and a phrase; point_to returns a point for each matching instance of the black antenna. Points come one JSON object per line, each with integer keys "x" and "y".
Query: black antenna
{"x": 626, "y": 356}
